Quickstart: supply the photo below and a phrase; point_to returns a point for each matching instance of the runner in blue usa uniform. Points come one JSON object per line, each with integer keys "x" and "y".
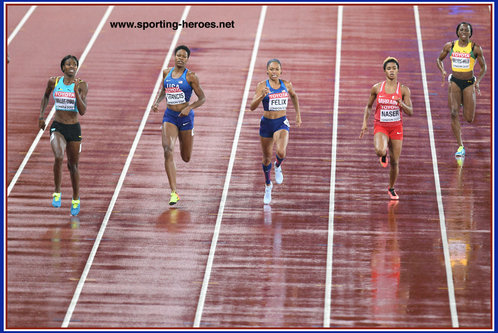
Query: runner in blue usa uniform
{"x": 178, "y": 119}
{"x": 274, "y": 126}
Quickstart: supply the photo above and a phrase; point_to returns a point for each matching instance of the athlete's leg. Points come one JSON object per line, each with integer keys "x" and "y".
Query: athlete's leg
{"x": 73, "y": 156}
{"x": 281, "y": 139}
{"x": 267, "y": 148}
{"x": 394, "y": 153}
{"x": 469, "y": 103}
{"x": 380, "y": 143}
{"x": 454, "y": 102}
{"x": 186, "y": 139}
{"x": 58, "y": 144}
{"x": 169, "y": 135}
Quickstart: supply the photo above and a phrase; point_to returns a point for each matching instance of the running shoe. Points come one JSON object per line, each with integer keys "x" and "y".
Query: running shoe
{"x": 75, "y": 207}
{"x": 174, "y": 198}
{"x": 267, "y": 198}
{"x": 56, "y": 202}
{"x": 392, "y": 194}
{"x": 383, "y": 161}
{"x": 460, "y": 151}
{"x": 279, "y": 176}
{"x": 460, "y": 160}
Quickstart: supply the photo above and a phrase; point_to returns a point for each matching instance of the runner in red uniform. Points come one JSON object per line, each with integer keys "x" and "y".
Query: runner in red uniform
{"x": 391, "y": 97}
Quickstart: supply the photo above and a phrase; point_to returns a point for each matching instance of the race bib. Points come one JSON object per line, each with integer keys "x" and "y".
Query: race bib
{"x": 174, "y": 95}
{"x": 278, "y": 102}
{"x": 460, "y": 60}
{"x": 65, "y": 101}
{"x": 390, "y": 114}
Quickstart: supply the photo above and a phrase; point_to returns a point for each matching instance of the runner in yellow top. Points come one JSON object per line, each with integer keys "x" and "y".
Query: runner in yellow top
{"x": 462, "y": 82}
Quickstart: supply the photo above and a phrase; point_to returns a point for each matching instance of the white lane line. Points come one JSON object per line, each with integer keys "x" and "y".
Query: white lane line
{"x": 19, "y": 26}
{"x": 103, "y": 226}
{"x": 330, "y": 241}
{"x": 442, "y": 222}
{"x": 214, "y": 241}
{"x": 52, "y": 111}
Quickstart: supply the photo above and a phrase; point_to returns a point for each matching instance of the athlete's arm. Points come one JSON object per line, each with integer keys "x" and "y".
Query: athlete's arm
{"x": 160, "y": 94}
{"x": 80, "y": 91}
{"x": 295, "y": 102}
{"x": 482, "y": 64}
{"x": 444, "y": 52}
{"x": 368, "y": 108}
{"x": 193, "y": 80}
{"x": 406, "y": 102}
{"x": 261, "y": 91}
{"x": 44, "y": 101}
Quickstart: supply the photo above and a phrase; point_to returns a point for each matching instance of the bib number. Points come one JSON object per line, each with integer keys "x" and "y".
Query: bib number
{"x": 278, "y": 102}
{"x": 390, "y": 115}
{"x": 65, "y": 101}
{"x": 460, "y": 60}
{"x": 174, "y": 96}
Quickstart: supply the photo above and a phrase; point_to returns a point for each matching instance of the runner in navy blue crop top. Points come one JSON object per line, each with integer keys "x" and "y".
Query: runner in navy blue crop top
{"x": 274, "y": 126}
{"x": 178, "y": 119}
{"x": 65, "y": 133}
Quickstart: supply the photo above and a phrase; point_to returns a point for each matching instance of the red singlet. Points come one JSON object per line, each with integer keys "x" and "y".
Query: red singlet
{"x": 388, "y": 115}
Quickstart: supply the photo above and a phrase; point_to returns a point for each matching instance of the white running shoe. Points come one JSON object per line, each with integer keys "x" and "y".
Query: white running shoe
{"x": 268, "y": 188}
{"x": 279, "y": 176}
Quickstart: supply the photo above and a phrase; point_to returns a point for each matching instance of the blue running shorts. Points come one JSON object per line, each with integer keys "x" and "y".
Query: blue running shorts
{"x": 269, "y": 126}
{"x": 183, "y": 123}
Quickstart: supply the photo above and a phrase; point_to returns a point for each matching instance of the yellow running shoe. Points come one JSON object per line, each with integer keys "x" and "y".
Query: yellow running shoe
{"x": 56, "y": 201}
{"x": 174, "y": 198}
{"x": 75, "y": 207}
{"x": 460, "y": 152}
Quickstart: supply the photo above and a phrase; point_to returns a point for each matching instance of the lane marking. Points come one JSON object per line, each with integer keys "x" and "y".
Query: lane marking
{"x": 209, "y": 265}
{"x": 103, "y": 226}
{"x": 21, "y": 23}
{"x": 52, "y": 111}
{"x": 442, "y": 222}
{"x": 330, "y": 241}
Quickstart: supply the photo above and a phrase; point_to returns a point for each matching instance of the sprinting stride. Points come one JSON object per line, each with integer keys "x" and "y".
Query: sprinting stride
{"x": 274, "y": 125}
{"x": 69, "y": 95}
{"x": 391, "y": 97}
{"x": 178, "y": 119}
{"x": 462, "y": 84}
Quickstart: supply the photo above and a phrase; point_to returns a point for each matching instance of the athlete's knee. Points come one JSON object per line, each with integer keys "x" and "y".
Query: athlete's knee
{"x": 469, "y": 116}
{"x": 380, "y": 151}
{"x": 186, "y": 157}
{"x": 281, "y": 153}
{"x": 59, "y": 158}
{"x": 454, "y": 112}
{"x": 394, "y": 163}
{"x": 168, "y": 152}
{"x": 73, "y": 167}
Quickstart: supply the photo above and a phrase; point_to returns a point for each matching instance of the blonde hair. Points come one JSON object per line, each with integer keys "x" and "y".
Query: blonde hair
{"x": 390, "y": 59}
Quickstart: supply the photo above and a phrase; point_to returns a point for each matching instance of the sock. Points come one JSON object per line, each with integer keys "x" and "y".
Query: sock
{"x": 384, "y": 158}
{"x": 279, "y": 161}
{"x": 266, "y": 170}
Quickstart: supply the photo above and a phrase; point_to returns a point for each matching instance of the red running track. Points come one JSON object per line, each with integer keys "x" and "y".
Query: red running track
{"x": 269, "y": 268}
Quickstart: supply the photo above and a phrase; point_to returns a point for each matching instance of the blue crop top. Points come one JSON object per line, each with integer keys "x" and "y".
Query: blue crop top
{"x": 277, "y": 99}
{"x": 64, "y": 97}
{"x": 178, "y": 91}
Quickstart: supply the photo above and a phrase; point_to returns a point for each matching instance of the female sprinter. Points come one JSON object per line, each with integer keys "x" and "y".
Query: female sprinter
{"x": 462, "y": 82}
{"x": 391, "y": 97}
{"x": 274, "y": 126}
{"x": 65, "y": 131}
{"x": 178, "y": 119}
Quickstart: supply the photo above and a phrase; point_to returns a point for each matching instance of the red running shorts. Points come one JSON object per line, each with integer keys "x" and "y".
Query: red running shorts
{"x": 393, "y": 132}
